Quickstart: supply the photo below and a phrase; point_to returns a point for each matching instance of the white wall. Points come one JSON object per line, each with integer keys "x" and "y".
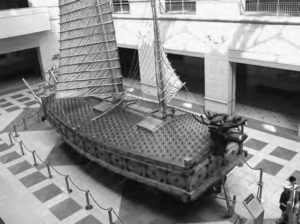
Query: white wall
{"x": 36, "y": 35}
{"x": 220, "y": 33}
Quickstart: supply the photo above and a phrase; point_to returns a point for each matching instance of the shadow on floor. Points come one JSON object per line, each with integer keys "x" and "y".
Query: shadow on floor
{"x": 140, "y": 203}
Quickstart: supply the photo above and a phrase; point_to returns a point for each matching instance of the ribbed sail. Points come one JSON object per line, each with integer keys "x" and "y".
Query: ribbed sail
{"x": 89, "y": 60}
{"x": 171, "y": 81}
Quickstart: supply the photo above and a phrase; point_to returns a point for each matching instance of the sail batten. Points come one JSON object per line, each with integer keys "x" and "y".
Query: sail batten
{"x": 78, "y": 55}
{"x": 89, "y": 62}
{"x": 78, "y": 37}
{"x": 84, "y": 17}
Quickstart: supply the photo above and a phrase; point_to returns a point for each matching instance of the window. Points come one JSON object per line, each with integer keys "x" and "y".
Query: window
{"x": 121, "y": 6}
{"x": 273, "y": 7}
{"x": 180, "y": 6}
{"x": 13, "y": 4}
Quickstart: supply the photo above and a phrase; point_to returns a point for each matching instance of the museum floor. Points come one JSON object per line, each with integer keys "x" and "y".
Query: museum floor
{"x": 27, "y": 195}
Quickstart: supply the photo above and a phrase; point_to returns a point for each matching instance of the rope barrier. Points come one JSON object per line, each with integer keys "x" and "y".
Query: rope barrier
{"x": 260, "y": 182}
{"x": 19, "y": 124}
{"x": 105, "y": 209}
{"x": 13, "y": 138}
{"x": 42, "y": 161}
{"x": 118, "y": 217}
{"x": 26, "y": 147}
{"x": 76, "y": 185}
{"x": 64, "y": 175}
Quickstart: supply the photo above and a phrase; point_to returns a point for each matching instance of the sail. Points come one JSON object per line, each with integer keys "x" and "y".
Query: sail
{"x": 172, "y": 83}
{"x": 89, "y": 60}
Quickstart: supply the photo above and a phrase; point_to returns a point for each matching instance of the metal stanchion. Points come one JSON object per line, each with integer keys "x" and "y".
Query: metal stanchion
{"x": 110, "y": 216}
{"x": 10, "y": 139}
{"x": 34, "y": 159}
{"x": 21, "y": 147}
{"x": 260, "y": 186}
{"x": 15, "y": 130}
{"x": 67, "y": 184}
{"x": 49, "y": 170}
{"x": 88, "y": 204}
{"x": 24, "y": 122}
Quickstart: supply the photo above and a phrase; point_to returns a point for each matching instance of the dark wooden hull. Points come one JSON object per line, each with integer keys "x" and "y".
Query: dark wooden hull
{"x": 187, "y": 182}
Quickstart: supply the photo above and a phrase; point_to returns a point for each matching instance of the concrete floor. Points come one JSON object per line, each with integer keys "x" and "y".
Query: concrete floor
{"x": 29, "y": 196}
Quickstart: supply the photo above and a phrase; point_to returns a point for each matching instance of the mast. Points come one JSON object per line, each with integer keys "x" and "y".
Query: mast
{"x": 105, "y": 40}
{"x": 161, "y": 94}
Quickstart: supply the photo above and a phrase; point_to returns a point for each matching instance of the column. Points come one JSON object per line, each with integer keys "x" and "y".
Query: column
{"x": 219, "y": 84}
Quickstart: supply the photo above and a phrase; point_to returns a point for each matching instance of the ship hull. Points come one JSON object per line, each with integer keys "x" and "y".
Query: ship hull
{"x": 186, "y": 182}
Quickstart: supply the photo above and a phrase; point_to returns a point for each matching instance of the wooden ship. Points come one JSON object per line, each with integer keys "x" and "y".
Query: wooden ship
{"x": 175, "y": 151}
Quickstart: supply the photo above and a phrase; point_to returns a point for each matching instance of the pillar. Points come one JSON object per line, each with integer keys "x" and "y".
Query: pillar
{"x": 219, "y": 84}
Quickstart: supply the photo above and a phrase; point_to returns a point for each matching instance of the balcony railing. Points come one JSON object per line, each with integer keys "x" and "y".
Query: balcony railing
{"x": 180, "y": 7}
{"x": 291, "y": 8}
{"x": 121, "y": 7}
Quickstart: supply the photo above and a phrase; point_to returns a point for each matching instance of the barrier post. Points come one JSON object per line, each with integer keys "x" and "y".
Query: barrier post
{"x": 38, "y": 116}
{"x": 24, "y": 122}
{"x": 21, "y": 147}
{"x": 15, "y": 130}
{"x": 34, "y": 159}
{"x": 88, "y": 204}
{"x": 67, "y": 184}
{"x": 260, "y": 185}
{"x": 10, "y": 139}
{"x": 49, "y": 170}
{"x": 110, "y": 216}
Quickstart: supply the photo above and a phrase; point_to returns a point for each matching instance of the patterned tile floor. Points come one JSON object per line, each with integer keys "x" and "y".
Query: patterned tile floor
{"x": 48, "y": 202}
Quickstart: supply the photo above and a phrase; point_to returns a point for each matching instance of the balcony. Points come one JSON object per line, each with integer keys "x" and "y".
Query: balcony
{"x": 273, "y": 7}
{"x": 18, "y": 22}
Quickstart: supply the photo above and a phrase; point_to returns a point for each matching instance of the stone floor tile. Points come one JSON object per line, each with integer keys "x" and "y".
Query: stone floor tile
{"x": 269, "y": 167}
{"x": 2, "y": 100}
{"x": 4, "y": 147}
{"x": 9, "y": 157}
{"x": 12, "y": 108}
{"x": 32, "y": 179}
{"x": 17, "y": 96}
{"x": 23, "y": 99}
{"x": 20, "y": 167}
{"x": 89, "y": 220}
{"x": 255, "y": 144}
{"x": 65, "y": 208}
{"x": 249, "y": 156}
{"x": 48, "y": 192}
{"x": 7, "y": 104}
{"x": 283, "y": 153}
{"x": 30, "y": 103}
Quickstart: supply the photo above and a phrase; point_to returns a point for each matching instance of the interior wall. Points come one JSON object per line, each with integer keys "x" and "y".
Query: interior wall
{"x": 20, "y": 64}
{"x": 190, "y": 70}
{"x": 268, "y": 88}
{"x": 13, "y": 4}
{"x": 129, "y": 60}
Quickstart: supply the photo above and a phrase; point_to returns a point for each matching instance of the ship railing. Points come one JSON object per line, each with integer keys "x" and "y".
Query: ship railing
{"x": 37, "y": 160}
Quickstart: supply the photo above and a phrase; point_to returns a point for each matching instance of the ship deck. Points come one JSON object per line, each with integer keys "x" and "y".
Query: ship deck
{"x": 180, "y": 137}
